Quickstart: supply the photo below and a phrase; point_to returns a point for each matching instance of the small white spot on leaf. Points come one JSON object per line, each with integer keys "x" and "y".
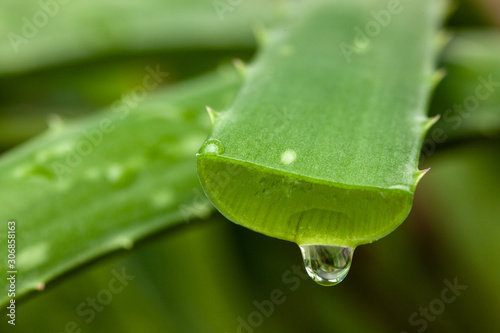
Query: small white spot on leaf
{"x": 289, "y": 156}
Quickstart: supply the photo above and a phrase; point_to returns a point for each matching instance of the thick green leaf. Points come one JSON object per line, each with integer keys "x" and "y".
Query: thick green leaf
{"x": 99, "y": 184}
{"x": 321, "y": 144}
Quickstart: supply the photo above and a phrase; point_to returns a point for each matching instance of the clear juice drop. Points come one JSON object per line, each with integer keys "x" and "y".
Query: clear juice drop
{"x": 212, "y": 147}
{"x": 327, "y": 265}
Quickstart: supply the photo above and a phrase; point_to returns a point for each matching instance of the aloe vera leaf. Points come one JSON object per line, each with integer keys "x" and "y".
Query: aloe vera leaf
{"x": 29, "y": 100}
{"x": 319, "y": 150}
{"x": 71, "y": 205}
{"x": 76, "y": 30}
{"x": 468, "y": 99}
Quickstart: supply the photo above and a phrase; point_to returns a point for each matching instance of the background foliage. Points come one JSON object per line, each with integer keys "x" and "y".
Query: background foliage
{"x": 204, "y": 275}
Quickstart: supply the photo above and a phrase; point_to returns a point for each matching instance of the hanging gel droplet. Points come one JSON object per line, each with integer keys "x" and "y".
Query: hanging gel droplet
{"x": 327, "y": 265}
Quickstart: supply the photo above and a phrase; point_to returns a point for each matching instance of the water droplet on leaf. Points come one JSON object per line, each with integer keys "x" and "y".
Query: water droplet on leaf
{"x": 212, "y": 147}
{"x": 327, "y": 265}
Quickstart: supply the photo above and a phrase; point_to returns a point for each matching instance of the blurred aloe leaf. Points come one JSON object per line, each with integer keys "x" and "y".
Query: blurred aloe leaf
{"x": 56, "y": 31}
{"x": 74, "y": 90}
{"x": 321, "y": 145}
{"x": 89, "y": 187}
{"x": 468, "y": 99}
